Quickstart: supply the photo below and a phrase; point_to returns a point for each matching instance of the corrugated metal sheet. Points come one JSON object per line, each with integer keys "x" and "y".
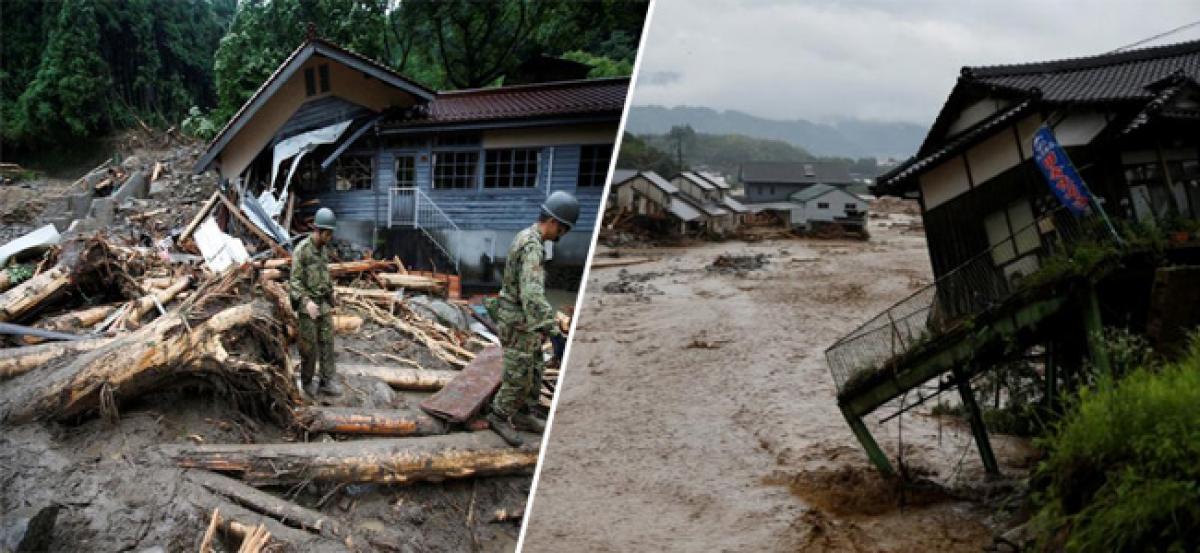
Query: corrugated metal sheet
{"x": 683, "y": 210}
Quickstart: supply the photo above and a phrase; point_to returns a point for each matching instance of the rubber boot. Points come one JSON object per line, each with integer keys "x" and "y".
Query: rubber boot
{"x": 310, "y": 388}
{"x": 530, "y": 422}
{"x": 505, "y": 429}
{"x": 330, "y": 387}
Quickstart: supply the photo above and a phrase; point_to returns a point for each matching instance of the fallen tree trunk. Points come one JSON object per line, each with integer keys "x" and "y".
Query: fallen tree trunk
{"x": 384, "y": 460}
{"x": 73, "y": 321}
{"x": 294, "y": 539}
{"x": 162, "y": 352}
{"x": 375, "y": 422}
{"x": 22, "y": 298}
{"x": 18, "y": 361}
{"x": 403, "y": 378}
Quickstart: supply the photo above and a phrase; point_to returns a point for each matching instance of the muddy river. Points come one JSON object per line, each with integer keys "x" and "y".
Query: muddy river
{"x": 698, "y": 412}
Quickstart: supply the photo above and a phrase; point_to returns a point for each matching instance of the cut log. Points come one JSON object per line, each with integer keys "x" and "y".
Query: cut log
{"x": 379, "y": 297}
{"x": 375, "y": 422}
{"x": 361, "y": 266}
{"x": 150, "y": 302}
{"x": 159, "y": 353}
{"x": 18, "y": 361}
{"x": 403, "y": 378}
{"x": 271, "y": 274}
{"x": 413, "y": 282}
{"x": 157, "y": 282}
{"x": 384, "y": 460}
{"x": 73, "y": 321}
{"x": 28, "y": 295}
{"x": 346, "y": 324}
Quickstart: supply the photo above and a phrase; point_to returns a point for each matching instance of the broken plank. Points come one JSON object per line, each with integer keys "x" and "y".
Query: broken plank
{"x": 198, "y": 218}
{"x": 463, "y": 397}
{"x": 374, "y": 422}
{"x": 294, "y": 538}
{"x": 403, "y": 378}
{"x": 383, "y": 460}
{"x": 251, "y": 227}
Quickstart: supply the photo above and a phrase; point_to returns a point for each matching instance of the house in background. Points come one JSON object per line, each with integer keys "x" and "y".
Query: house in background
{"x": 439, "y": 178}
{"x": 648, "y": 194}
{"x": 784, "y": 191}
{"x": 712, "y": 195}
{"x": 824, "y": 204}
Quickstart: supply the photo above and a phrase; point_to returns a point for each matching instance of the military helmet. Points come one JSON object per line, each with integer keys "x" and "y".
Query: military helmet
{"x": 325, "y": 219}
{"x": 563, "y": 207}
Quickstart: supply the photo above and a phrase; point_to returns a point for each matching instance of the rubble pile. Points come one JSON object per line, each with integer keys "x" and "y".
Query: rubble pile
{"x": 149, "y": 391}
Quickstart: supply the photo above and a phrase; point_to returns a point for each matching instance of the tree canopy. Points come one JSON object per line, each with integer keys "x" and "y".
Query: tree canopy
{"x": 79, "y": 69}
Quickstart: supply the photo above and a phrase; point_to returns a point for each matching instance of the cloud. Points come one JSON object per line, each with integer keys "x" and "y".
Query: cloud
{"x": 870, "y": 59}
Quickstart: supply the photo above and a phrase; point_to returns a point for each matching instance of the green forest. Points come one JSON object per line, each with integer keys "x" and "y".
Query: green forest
{"x": 724, "y": 153}
{"x": 79, "y": 70}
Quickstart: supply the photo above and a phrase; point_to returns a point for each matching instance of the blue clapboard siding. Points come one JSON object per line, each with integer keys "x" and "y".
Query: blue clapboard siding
{"x": 318, "y": 113}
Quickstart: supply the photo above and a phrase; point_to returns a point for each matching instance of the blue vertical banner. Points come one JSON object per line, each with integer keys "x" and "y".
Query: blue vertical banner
{"x": 1060, "y": 173}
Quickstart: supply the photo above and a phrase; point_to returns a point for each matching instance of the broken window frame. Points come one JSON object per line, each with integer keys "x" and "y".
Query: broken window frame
{"x": 511, "y": 168}
{"x": 594, "y": 160}
{"x": 354, "y": 173}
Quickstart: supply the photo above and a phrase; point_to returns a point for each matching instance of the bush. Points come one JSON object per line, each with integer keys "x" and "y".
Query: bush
{"x": 1121, "y": 472}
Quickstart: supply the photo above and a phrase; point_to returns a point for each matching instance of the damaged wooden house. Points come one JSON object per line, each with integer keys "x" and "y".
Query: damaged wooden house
{"x": 691, "y": 202}
{"x": 444, "y": 179}
{"x": 1022, "y": 276}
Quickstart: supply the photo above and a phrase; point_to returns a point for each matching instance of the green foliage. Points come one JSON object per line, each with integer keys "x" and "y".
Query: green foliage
{"x": 18, "y": 273}
{"x": 636, "y": 154}
{"x": 199, "y": 124}
{"x": 75, "y": 70}
{"x": 601, "y": 66}
{"x": 1121, "y": 471}
{"x": 725, "y": 153}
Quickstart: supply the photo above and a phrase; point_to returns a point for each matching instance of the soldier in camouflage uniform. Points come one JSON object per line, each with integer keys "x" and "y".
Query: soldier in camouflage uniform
{"x": 526, "y": 319}
{"x": 311, "y": 290}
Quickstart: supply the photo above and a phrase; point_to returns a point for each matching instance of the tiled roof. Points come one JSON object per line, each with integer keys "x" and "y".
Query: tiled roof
{"x": 586, "y": 97}
{"x": 1106, "y": 77}
{"x": 660, "y": 182}
{"x": 702, "y": 182}
{"x": 789, "y": 172}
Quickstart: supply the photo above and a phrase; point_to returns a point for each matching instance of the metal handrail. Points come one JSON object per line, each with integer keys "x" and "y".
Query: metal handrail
{"x": 968, "y": 289}
{"x": 427, "y": 217}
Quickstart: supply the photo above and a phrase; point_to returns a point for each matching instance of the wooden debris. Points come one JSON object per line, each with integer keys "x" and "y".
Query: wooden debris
{"x": 384, "y": 460}
{"x": 28, "y": 295}
{"x": 602, "y": 262}
{"x": 403, "y": 378}
{"x": 440, "y": 341}
{"x": 265, "y": 503}
{"x": 211, "y": 532}
{"x": 375, "y": 422}
{"x": 463, "y": 397}
{"x": 346, "y": 324}
{"x": 151, "y": 301}
{"x": 251, "y": 227}
{"x": 253, "y": 539}
{"x": 198, "y": 218}
{"x": 132, "y": 364}
{"x": 413, "y": 282}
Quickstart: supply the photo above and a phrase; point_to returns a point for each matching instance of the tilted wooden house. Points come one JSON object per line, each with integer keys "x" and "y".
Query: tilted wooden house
{"x": 1022, "y": 276}
{"x": 648, "y": 194}
{"x": 446, "y": 178}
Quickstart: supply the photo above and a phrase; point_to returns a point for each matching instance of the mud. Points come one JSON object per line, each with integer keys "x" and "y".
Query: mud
{"x": 738, "y": 264}
{"x": 736, "y": 444}
{"x": 115, "y": 496}
{"x": 634, "y": 284}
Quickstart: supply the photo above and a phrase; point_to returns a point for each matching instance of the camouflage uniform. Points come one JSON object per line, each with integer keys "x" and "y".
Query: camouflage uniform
{"x": 524, "y": 318}
{"x": 310, "y": 280}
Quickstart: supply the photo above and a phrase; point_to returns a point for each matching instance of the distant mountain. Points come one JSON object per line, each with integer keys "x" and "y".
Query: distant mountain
{"x": 847, "y": 138}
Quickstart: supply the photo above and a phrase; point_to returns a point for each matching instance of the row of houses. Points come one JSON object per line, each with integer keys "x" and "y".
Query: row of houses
{"x": 799, "y": 195}
{"x": 438, "y": 177}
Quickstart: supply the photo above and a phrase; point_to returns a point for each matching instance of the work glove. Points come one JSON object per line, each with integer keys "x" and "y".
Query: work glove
{"x": 311, "y": 308}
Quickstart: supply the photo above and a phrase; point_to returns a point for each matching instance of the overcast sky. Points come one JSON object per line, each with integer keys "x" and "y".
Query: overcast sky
{"x": 871, "y": 59}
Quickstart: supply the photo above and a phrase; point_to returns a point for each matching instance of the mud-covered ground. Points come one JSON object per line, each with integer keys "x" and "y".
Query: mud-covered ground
{"x": 698, "y": 413}
{"x": 114, "y": 494}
